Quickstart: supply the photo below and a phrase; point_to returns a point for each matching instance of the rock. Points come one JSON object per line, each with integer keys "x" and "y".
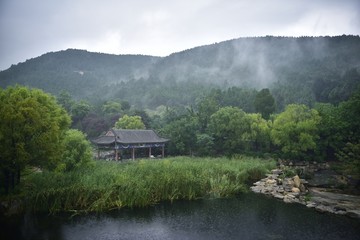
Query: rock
{"x": 311, "y": 205}
{"x": 276, "y": 171}
{"x": 353, "y": 213}
{"x": 278, "y": 196}
{"x": 297, "y": 181}
{"x": 322, "y": 208}
{"x": 302, "y": 188}
{"x": 291, "y": 190}
{"x": 270, "y": 181}
{"x": 303, "y": 181}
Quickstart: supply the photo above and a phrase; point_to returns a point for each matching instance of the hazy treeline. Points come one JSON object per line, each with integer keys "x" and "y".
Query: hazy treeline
{"x": 238, "y": 121}
{"x": 301, "y": 70}
{"x": 279, "y": 95}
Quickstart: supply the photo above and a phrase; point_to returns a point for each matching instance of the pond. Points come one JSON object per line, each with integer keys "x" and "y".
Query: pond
{"x": 249, "y": 216}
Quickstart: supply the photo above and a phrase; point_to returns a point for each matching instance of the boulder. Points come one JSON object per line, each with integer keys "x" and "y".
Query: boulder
{"x": 302, "y": 188}
{"x": 295, "y": 190}
{"x": 276, "y": 171}
{"x": 297, "y": 181}
{"x": 278, "y": 196}
{"x": 270, "y": 181}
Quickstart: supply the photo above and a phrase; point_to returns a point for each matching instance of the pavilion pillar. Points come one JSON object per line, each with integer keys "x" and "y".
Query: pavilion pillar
{"x": 116, "y": 155}
{"x": 133, "y": 153}
{"x": 163, "y": 151}
{"x": 98, "y": 153}
{"x": 149, "y": 152}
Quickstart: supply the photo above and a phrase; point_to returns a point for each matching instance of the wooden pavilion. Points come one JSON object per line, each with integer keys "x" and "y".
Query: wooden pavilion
{"x": 119, "y": 140}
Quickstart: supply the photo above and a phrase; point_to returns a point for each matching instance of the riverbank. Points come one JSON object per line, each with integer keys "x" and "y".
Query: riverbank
{"x": 114, "y": 185}
{"x": 296, "y": 190}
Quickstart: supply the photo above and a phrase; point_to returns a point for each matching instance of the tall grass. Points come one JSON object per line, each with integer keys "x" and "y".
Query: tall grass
{"x": 111, "y": 185}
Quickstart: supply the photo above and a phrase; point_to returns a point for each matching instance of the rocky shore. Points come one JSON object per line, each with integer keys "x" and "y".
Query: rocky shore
{"x": 296, "y": 190}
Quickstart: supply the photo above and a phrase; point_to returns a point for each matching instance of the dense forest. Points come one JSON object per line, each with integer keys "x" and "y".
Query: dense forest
{"x": 293, "y": 98}
{"x": 192, "y": 96}
{"x": 300, "y": 70}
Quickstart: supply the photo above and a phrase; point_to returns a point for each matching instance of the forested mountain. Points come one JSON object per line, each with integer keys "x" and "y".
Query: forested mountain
{"x": 296, "y": 70}
{"x": 77, "y": 71}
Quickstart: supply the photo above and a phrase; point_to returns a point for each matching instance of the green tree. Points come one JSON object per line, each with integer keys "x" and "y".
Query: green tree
{"x": 130, "y": 122}
{"x": 32, "y": 127}
{"x": 78, "y": 113}
{"x": 182, "y": 133}
{"x": 204, "y": 144}
{"x": 295, "y": 131}
{"x": 145, "y": 118}
{"x": 65, "y": 100}
{"x": 259, "y": 134}
{"x": 264, "y": 103}
{"x": 77, "y": 152}
{"x": 230, "y": 127}
{"x": 206, "y": 107}
{"x": 331, "y": 131}
{"x": 111, "y": 108}
{"x": 349, "y": 112}
{"x": 350, "y": 156}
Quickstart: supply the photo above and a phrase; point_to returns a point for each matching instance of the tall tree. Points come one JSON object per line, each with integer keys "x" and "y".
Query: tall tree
{"x": 230, "y": 127}
{"x": 130, "y": 122}
{"x": 331, "y": 130}
{"x": 182, "y": 133}
{"x": 111, "y": 107}
{"x": 264, "y": 103}
{"x": 79, "y": 111}
{"x": 295, "y": 131}
{"x": 32, "y": 126}
{"x": 259, "y": 134}
{"x": 77, "y": 152}
{"x": 65, "y": 100}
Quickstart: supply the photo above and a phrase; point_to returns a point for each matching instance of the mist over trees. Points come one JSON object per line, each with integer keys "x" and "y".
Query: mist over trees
{"x": 287, "y": 97}
{"x": 301, "y": 70}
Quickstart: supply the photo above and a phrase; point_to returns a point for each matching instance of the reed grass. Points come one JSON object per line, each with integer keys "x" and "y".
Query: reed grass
{"x": 112, "y": 185}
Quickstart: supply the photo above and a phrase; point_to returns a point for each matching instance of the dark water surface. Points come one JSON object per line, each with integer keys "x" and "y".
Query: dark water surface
{"x": 250, "y": 216}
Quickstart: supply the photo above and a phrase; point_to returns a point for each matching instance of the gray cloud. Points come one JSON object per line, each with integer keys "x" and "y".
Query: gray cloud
{"x": 29, "y": 28}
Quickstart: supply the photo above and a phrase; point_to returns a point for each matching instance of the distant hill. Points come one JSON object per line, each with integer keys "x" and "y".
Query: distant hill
{"x": 77, "y": 71}
{"x": 301, "y": 70}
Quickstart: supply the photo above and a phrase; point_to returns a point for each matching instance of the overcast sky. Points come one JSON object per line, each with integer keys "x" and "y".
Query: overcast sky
{"x": 30, "y": 28}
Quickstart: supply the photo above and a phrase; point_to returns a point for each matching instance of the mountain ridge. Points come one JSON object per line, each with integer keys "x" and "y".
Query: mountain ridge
{"x": 298, "y": 64}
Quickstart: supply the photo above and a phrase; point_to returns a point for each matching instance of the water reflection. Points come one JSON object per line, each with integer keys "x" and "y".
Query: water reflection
{"x": 249, "y": 216}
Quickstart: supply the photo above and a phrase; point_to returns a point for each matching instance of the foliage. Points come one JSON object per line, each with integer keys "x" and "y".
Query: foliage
{"x": 331, "y": 130}
{"x": 206, "y": 107}
{"x": 77, "y": 152}
{"x": 129, "y": 122}
{"x": 349, "y": 111}
{"x": 182, "y": 133}
{"x": 204, "y": 144}
{"x": 111, "y": 107}
{"x": 259, "y": 134}
{"x": 296, "y": 131}
{"x": 229, "y": 126}
{"x": 32, "y": 126}
{"x": 66, "y": 101}
{"x": 141, "y": 183}
{"x": 264, "y": 103}
{"x": 350, "y": 156}
{"x": 300, "y": 70}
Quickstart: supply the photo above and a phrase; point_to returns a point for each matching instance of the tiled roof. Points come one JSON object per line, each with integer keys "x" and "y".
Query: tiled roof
{"x": 130, "y": 136}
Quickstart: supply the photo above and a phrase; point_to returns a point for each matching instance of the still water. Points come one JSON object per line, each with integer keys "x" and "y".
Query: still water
{"x": 250, "y": 216}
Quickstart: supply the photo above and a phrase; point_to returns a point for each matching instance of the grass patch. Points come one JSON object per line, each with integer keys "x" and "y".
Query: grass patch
{"x": 111, "y": 185}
